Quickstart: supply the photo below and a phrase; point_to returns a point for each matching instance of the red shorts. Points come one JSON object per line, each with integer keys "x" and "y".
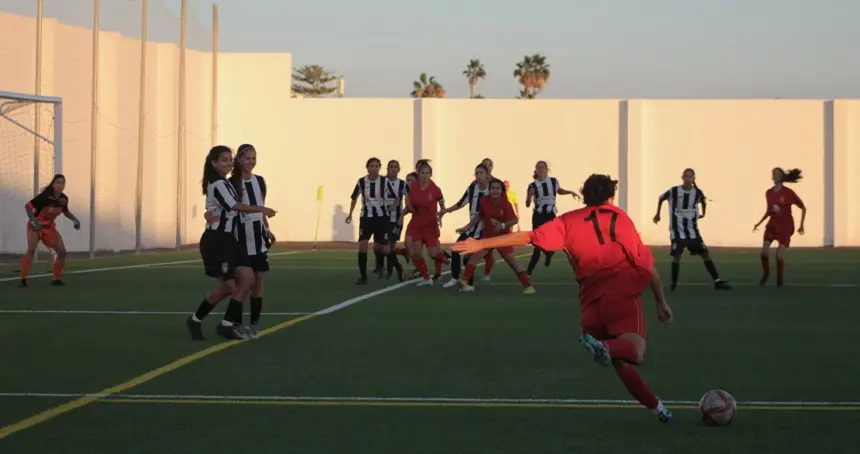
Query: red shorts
{"x": 779, "y": 232}
{"x": 605, "y": 319}
{"x": 427, "y": 235}
{"x": 48, "y": 234}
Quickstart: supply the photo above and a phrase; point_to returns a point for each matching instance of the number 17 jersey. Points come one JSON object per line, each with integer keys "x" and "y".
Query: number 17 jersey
{"x": 604, "y": 249}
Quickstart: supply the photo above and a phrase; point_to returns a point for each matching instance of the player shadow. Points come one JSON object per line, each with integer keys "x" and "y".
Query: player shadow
{"x": 340, "y": 230}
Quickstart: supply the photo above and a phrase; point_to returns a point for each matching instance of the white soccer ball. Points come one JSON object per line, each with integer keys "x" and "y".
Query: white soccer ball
{"x": 718, "y": 408}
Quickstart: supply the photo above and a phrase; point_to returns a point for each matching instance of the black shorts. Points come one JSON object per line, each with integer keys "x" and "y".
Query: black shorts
{"x": 259, "y": 263}
{"x": 396, "y": 232}
{"x": 221, "y": 254}
{"x": 379, "y": 228}
{"x": 539, "y": 219}
{"x": 696, "y": 246}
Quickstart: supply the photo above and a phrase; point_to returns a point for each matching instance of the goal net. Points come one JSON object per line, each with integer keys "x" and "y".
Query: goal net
{"x": 30, "y": 155}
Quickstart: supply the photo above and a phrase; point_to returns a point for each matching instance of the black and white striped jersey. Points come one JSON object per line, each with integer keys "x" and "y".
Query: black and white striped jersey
{"x": 252, "y": 226}
{"x": 473, "y": 196}
{"x": 546, "y": 191}
{"x": 683, "y": 212}
{"x": 401, "y": 190}
{"x": 376, "y": 195}
{"x": 220, "y": 198}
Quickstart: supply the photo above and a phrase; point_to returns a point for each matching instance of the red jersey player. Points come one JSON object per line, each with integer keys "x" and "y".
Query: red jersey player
{"x": 612, "y": 267}
{"x": 423, "y": 201}
{"x": 780, "y": 227}
{"x": 42, "y": 212}
{"x": 497, "y": 216}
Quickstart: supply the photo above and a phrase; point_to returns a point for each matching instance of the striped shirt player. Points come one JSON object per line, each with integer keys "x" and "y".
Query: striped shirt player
{"x": 684, "y": 219}
{"x": 377, "y": 196}
{"x": 400, "y": 191}
{"x": 544, "y": 193}
{"x": 253, "y": 232}
{"x": 472, "y": 196}
{"x": 219, "y": 246}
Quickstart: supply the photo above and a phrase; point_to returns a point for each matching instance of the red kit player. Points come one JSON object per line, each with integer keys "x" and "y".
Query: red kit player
{"x": 612, "y": 268}
{"x": 780, "y": 227}
{"x": 423, "y": 201}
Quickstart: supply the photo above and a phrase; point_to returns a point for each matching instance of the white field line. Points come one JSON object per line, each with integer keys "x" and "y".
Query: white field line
{"x": 474, "y": 400}
{"x": 132, "y": 267}
{"x": 96, "y": 312}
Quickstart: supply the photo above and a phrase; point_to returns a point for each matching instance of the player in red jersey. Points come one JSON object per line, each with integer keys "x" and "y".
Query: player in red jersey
{"x": 780, "y": 227}
{"x": 423, "y": 202}
{"x": 42, "y": 212}
{"x": 612, "y": 268}
{"x": 497, "y": 216}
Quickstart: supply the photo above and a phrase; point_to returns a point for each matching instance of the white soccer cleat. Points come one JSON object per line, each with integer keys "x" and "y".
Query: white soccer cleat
{"x": 467, "y": 288}
{"x": 452, "y": 283}
{"x": 425, "y": 282}
{"x": 486, "y": 278}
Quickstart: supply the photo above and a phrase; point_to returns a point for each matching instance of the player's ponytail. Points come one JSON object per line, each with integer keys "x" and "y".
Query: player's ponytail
{"x": 598, "y": 189}
{"x": 792, "y": 176}
{"x": 211, "y": 174}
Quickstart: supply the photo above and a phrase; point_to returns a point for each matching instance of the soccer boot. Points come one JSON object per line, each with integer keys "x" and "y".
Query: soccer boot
{"x": 764, "y": 278}
{"x": 721, "y": 285}
{"x": 451, "y": 283}
{"x": 252, "y": 331}
{"x": 664, "y": 415}
{"x": 529, "y": 290}
{"x": 486, "y": 278}
{"x": 599, "y": 352}
{"x": 425, "y": 283}
{"x": 361, "y": 281}
{"x": 57, "y": 283}
{"x": 231, "y": 332}
{"x": 195, "y": 328}
{"x": 23, "y": 283}
{"x": 673, "y": 286}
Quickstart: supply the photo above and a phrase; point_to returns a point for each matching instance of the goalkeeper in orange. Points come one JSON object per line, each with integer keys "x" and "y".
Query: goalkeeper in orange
{"x": 42, "y": 211}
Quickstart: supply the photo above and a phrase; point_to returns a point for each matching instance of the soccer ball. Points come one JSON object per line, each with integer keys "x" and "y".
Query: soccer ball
{"x": 717, "y": 408}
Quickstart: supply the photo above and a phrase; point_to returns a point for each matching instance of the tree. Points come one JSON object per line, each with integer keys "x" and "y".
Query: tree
{"x": 474, "y": 73}
{"x": 427, "y": 87}
{"x": 533, "y": 74}
{"x": 313, "y": 81}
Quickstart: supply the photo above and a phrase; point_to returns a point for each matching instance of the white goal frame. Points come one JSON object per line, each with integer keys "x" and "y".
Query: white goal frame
{"x": 57, "y": 143}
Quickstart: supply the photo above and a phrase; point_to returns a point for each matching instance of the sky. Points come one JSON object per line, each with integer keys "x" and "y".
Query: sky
{"x": 596, "y": 48}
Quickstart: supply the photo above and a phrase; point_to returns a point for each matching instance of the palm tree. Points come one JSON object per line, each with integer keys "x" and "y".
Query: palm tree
{"x": 474, "y": 73}
{"x": 533, "y": 74}
{"x": 427, "y": 87}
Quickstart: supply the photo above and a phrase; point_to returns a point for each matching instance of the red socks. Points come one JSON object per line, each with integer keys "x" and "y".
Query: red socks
{"x": 636, "y": 386}
{"x": 58, "y": 268}
{"x": 470, "y": 271}
{"x": 622, "y": 349}
{"x": 524, "y": 279}
{"x": 421, "y": 266}
{"x": 489, "y": 261}
{"x": 25, "y": 266}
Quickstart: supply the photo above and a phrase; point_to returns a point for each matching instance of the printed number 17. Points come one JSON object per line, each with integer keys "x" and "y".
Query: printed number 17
{"x": 593, "y": 218}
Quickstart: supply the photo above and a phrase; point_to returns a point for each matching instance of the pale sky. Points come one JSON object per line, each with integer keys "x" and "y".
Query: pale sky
{"x": 596, "y": 48}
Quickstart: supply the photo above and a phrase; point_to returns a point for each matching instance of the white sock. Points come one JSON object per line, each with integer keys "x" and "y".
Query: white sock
{"x": 659, "y": 407}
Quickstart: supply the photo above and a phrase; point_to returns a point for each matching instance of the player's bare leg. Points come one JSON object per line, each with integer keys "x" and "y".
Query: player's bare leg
{"x": 624, "y": 352}
{"x": 27, "y": 258}
{"x": 362, "y": 262}
{"x": 765, "y": 261}
{"x": 420, "y": 263}
{"x": 511, "y": 260}
{"x": 780, "y": 264}
{"x": 59, "y": 261}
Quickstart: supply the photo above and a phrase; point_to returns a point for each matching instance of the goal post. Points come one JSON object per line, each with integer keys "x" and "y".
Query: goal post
{"x": 31, "y": 152}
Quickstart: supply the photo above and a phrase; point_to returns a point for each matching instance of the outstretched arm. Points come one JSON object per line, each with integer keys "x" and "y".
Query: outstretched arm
{"x": 471, "y": 245}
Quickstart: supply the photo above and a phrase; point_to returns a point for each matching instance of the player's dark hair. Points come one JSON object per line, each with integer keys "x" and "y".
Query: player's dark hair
{"x": 50, "y": 187}
{"x": 791, "y": 176}
{"x": 535, "y": 175}
{"x": 236, "y": 174}
{"x": 210, "y": 174}
{"x": 420, "y": 163}
{"x": 371, "y": 161}
{"x": 598, "y": 189}
{"x": 412, "y": 174}
{"x": 422, "y": 166}
{"x": 481, "y": 166}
